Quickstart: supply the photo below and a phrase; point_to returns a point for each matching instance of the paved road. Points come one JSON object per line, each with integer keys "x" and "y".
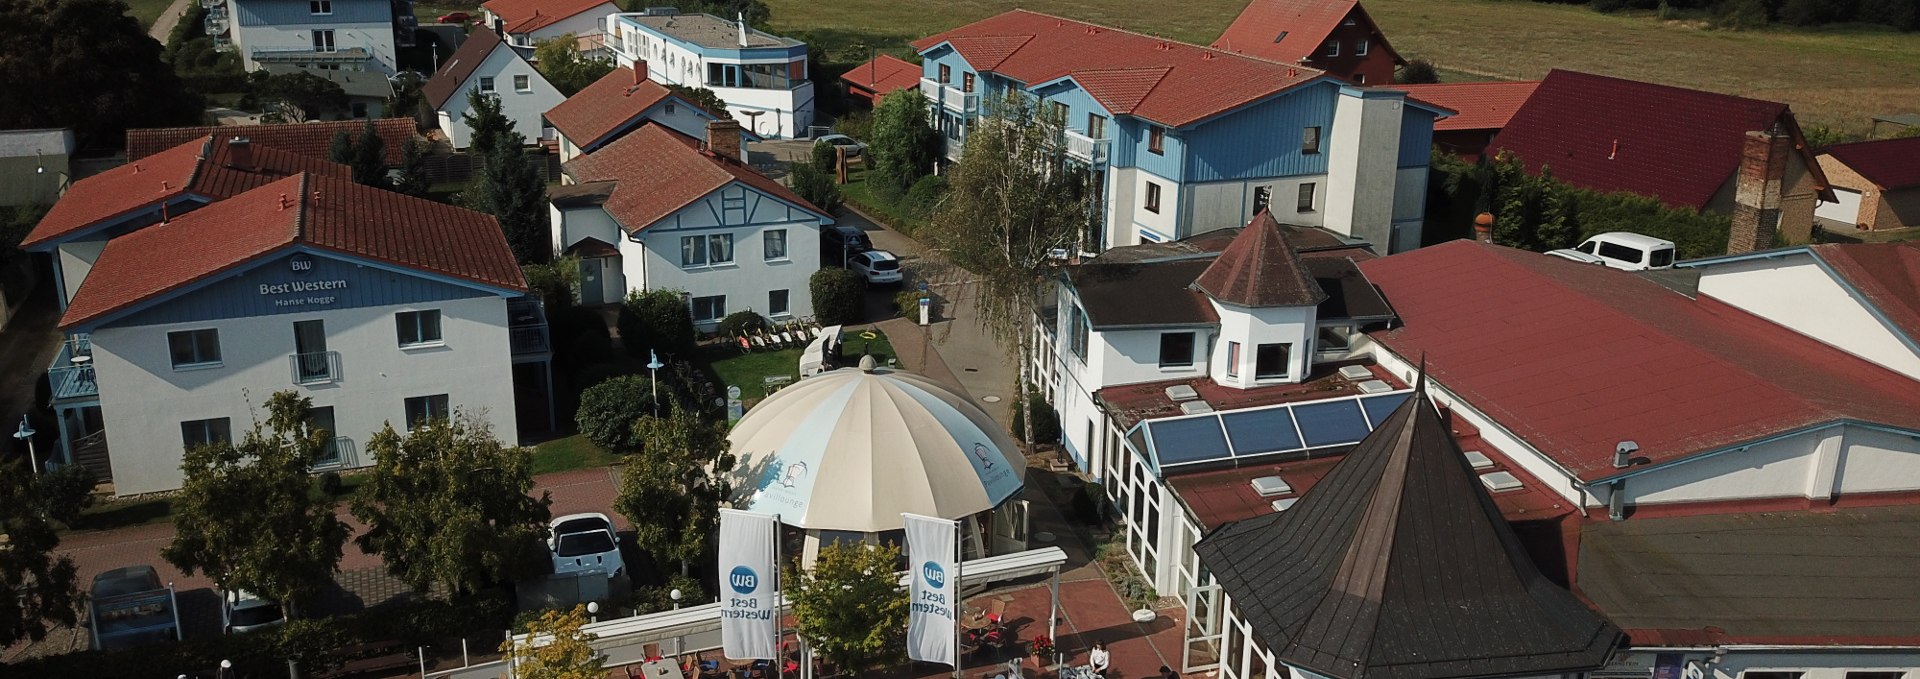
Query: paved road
{"x": 163, "y": 26}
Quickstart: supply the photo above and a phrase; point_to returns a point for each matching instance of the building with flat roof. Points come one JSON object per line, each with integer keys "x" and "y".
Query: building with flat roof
{"x": 762, "y": 77}
{"x": 354, "y": 35}
{"x": 34, "y": 165}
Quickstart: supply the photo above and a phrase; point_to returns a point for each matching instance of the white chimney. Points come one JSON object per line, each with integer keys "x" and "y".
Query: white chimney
{"x": 740, "y": 20}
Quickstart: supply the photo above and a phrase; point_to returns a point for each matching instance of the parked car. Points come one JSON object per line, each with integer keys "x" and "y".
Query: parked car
{"x": 879, "y": 267}
{"x": 129, "y": 607}
{"x": 242, "y": 611}
{"x": 585, "y": 543}
{"x": 1622, "y": 250}
{"x": 455, "y": 18}
{"x": 854, "y": 148}
{"x": 839, "y": 244}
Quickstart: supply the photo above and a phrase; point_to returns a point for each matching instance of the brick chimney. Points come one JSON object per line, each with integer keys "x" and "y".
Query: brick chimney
{"x": 639, "y": 71}
{"x": 1757, "y": 189}
{"x": 240, "y": 152}
{"x": 1483, "y": 227}
{"x": 723, "y": 138}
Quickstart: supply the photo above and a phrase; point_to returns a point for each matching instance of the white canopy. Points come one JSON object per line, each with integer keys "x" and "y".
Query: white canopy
{"x": 850, "y": 450}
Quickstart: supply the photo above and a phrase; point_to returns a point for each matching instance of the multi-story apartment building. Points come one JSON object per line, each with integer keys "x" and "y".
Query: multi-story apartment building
{"x": 762, "y": 77}
{"x": 354, "y": 35}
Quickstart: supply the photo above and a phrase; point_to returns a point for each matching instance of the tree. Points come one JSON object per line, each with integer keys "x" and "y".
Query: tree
{"x": 825, "y": 157}
{"x": 295, "y": 97}
{"x": 406, "y": 96}
{"x": 40, "y": 586}
{"x": 413, "y": 169}
{"x": 610, "y": 412}
{"x": 1417, "y": 72}
{"x": 448, "y": 503}
{"x": 63, "y": 493}
{"x": 656, "y": 321}
{"x": 508, "y": 186}
{"x": 1010, "y": 202}
{"x": 370, "y": 159}
{"x": 838, "y": 295}
{"x": 560, "y": 61}
{"x": 904, "y": 144}
{"x": 340, "y": 150}
{"x": 568, "y": 653}
{"x": 672, "y": 488}
{"x": 816, "y": 186}
{"x": 702, "y": 97}
{"x": 86, "y": 64}
{"x": 850, "y": 607}
{"x": 486, "y": 124}
{"x": 246, "y": 514}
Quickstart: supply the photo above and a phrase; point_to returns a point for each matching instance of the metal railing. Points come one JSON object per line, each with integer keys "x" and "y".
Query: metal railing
{"x": 527, "y": 326}
{"x": 71, "y": 373}
{"x": 315, "y": 367}
{"x": 949, "y": 96}
{"x": 1093, "y": 151}
{"x": 341, "y": 454}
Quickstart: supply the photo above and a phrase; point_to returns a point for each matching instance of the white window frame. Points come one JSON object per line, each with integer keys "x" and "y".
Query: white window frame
{"x": 1360, "y": 48}
{"x": 523, "y": 83}
{"x": 784, "y": 308}
{"x": 693, "y": 308}
{"x": 1193, "y": 347}
{"x": 427, "y": 413}
{"x": 767, "y": 238}
{"x": 203, "y": 362}
{"x": 1286, "y": 363}
{"x": 1308, "y": 192}
{"x": 708, "y": 248}
{"x": 1333, "y": 48}
{"x": 413, "y": 319}
{"x": 486, "y": 84}
{"x": 323, "y": 41}
{"x": 205, "y": 428}
{"x": 320, "y": 8}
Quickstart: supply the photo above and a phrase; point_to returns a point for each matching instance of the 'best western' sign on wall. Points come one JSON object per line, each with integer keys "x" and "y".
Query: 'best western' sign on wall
{"x": 300, "y": 283}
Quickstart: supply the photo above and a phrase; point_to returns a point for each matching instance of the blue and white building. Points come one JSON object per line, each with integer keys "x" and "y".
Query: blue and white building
{"x": 762, "y": 77}
{"x": 352, "y": 35}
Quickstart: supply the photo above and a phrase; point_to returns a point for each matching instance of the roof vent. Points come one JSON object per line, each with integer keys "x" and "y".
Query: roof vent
{"x": 1195, "y": 407}
{"x": 1478, "y": 460}
{"x": 1282, "y": 504}
{"x": 1356, "y": 372}
{"x": 1500, "y": 482}
{"x": 1269, "y": 486}
{"x": 1375, "y": 387}
{"x": 1623, "y": 453}
{"x": 1182, "y": 392}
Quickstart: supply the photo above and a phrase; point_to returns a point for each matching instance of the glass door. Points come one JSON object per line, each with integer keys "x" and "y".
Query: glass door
{"x": 320, "y": 419}
{"x": 1204, "y": 631}
{"x": 310, "y": 351}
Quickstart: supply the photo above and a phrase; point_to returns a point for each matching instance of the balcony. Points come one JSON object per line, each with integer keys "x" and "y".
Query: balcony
{"x": 341, "y": 453}
{"x": 950, "y": 97}
{"x": 343, "y": 55}
{"x": 1089, "y": 150}
{"x": 71, "y": 373}
{"x": 527, "y": 329}
{"x": 317, "y": 367}
{"x": 216, "y": 25}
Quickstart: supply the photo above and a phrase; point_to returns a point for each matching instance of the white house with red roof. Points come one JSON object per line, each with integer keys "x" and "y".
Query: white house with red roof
{"x": 762, "y": 77}
{"x": 1181, "y": 139}
{"x": 488, "y": 65}
{"x": 657, "y": 209}
{"x": 526, "y": 23}
{"x": 619, "y": 102}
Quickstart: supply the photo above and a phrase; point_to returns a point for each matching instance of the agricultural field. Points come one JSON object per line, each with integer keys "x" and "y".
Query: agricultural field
{"x": 1834, "y": 77}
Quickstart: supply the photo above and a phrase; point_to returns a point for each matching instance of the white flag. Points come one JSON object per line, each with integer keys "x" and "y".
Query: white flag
{"x": 936, "y": 586}
{"x": 748, "y": 620}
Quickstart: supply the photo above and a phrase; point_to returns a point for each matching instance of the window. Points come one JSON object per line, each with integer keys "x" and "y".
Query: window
{"x": 1153, "y": 198}
{"x": 1078, "y": 328}
{"x": 1262, "y": 197}
{"x": 1771, "y": 675}
{"x": 424, "y": 409}
{"x": 320, "y": 7}
{"x": 1586, "y": 247}
{"x": 670, "y": 108}
{"x": 1306, "y": 197}
{"x": 323, "y": 41}
{"x": 1270, "y": 361}
{"x": 522, "y": 83}
{"x": 1156, "y": 139}
{"x": 1360, "y": 78}
{"x": 774, "y": 244}
{"x": 946, "y": 74}
{"x": 194, "y": 348}
{"x": 1335, "y": 337}
{"x": 1619, "y": 252}
{"x": 1310, "y": 140}
{"x": 709, "y": 308}
{"x": 486, "y": 83}
{"x": 722, "y": 75}
{"x": 418, "y": 328}
{"x": 320, "y": 419}
{"x": 1096, "y": 126}
{"x": 359, "y": 109}
{"x": 966, "y": 82}
{"x": 778, "y": 303}
{"x": 1059, "y": 111}
{"x": 1176, "y": 349}
{"x": 1661, "y": 258}
{"x": 1333, "y": 48}
{"x": 1882, "y": 674}
{"x": 706, "y": 250}
{"x": 1233, "y": 359}
{"x": 1360, "y": 48}
{"x": 196, "y": 433}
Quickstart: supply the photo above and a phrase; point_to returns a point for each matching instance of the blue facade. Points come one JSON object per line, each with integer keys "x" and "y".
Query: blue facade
{"x": 297, "y": 12}
{"x": 943, "y": 55}
{"x": 1078, "y": 102}
{"x": 1264, "y": 139}
{"x": 1416, "y": 137}
{"x": 272, "y": 285}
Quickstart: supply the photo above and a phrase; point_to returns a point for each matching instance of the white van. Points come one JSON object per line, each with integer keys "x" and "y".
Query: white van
{"x": 1622, "y": 250}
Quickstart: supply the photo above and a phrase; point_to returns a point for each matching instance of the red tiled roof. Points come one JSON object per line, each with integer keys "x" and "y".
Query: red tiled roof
{"x": 452, "y": 75}
{"x": 1260, "y": 269}
{"x": 658, "y": 171}
{"x": 1291, "y": 31}
{"x": 1609, "y": 134}
{"x": 1574, "y": 358}
{"x": 1887, "y": 274}
{"x": 1476, "y": 106}
{"x": 524, "y": 16}
{"x": 1889, "y": 163}
{"x": 883, "y": 74}
{"x": 1171, "y": 83}
{"x": 183, "y": 170}
{"x": 610, "y": 103}
{"x": 324, "y": 212}
{"x": 312, "y": 140}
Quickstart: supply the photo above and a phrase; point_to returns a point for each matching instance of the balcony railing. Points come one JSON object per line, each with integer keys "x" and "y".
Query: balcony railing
{"x": 949, "y": 96}
{"x": 1092, "y": 151}
{"x": 527, "y": 327}
{"x": 71, "y": 373}
{"x": 315, "y": 367}
{"x": 340, "y": 454}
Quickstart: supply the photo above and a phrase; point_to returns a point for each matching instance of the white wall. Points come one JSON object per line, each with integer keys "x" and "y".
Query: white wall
{"x": 376, "y": 37}
{"x": 1134, "y": 215}
{"x": 525, "y": 109}
{"x": 76, "y": 260}
{"x": 1363, "y": 163}
{"x": 1254, "y": 327}
{"x": 1225, "y": 205}
{"x": 1133, "y": 356}
{"x": 746, "y": 282}
{"x": 684, "y": 119}
{"x": 572, "y": 225}
{"x": 1794, "y": 291}
{"x": 144, "y": 400}
{"x": 783, "y": 113}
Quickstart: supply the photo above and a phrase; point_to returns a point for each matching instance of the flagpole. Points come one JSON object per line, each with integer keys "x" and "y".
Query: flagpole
{"x": 959, "y": 600}
{"x": 779, "y": 612}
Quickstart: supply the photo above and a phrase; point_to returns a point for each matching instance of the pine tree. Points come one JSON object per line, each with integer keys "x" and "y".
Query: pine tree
{"x": 369, "y": 158}
{"x": 508, "y": 185}
{"x": 413, "y": 169}
{"x": 341, "y": 151}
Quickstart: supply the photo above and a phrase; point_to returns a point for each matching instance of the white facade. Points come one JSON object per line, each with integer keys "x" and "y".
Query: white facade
{"x": 348, "y": 34}
{"x": 780, "y": 108}
{"x": 1363, "y": 164}
{"x": 1793, "y": 289}
{"x": 525, "y": 106}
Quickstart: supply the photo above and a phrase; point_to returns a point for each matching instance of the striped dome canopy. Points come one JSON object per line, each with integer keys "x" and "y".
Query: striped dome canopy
{"x": 850, "y": 450}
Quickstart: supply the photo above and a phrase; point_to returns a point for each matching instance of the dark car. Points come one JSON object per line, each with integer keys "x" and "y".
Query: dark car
{"x": 840, "y": 243}
{"x": 455, "y": 18}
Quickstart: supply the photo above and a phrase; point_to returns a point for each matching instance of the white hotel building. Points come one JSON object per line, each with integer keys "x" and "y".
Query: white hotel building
{"x": 762, "y": 77}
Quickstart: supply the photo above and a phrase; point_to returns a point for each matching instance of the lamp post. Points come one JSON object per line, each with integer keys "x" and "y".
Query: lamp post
{"x": 593, "y": 611}
{"x": 653, "y": 378}
{"x": 26, "y": 433}
{"x": 675, "y": 595}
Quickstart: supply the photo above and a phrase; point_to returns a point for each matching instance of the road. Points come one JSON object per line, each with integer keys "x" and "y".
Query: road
{"x": 163, "y": 26}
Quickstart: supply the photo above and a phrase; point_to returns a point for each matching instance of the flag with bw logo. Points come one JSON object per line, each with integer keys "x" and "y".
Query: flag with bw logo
{"x": 935, "y": 591}
{"x": 749, "y": 615}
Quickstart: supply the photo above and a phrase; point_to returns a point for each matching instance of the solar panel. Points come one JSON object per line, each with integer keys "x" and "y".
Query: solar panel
{"x": 1197, "y": 439}
{"x": 1331, "y": 423}
{"x": 1257, "y": 432}
{"x": 1379, "y": 407}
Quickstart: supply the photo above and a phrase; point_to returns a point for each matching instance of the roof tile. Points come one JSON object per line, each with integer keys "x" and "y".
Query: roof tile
{"x": 658, "y": 171}
{"x": 1476, "y": 106}
{"x": 1260, "y": 269}
{"x": 524, "y": 16}
{"x": 448, "y": 80}
{"x": 608, "y": 105}
{"x": 312, "y": 140}
{"x": 883, "y": 74}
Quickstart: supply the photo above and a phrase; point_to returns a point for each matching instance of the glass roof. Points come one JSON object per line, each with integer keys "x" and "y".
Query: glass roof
{"x": 1272, "y": 430}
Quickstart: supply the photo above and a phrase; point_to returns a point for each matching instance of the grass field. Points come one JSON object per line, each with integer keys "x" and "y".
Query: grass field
{"x": 147, "y": 11}
{"x": 1835, "y": 77}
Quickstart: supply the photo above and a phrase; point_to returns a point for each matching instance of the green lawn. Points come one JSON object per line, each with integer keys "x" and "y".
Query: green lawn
{"x": 1498, "y": 39}
{"x": 572, "y": 452}
{"x": 856, "y": 190}
{"x": 147, "y": 11}
{"x": 750, "y": 370}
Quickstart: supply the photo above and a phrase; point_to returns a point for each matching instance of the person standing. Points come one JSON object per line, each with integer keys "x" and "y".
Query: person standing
{"x": 1098, "y": 659}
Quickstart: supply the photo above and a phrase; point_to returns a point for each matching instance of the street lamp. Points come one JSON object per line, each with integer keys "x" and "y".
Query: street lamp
{"x": 675, "y": 595}
{"x": 653, "y": 378}
{"x": 593, "y": 611}
{"x": 226, "y": 669}
{"x": 26, "y": 433}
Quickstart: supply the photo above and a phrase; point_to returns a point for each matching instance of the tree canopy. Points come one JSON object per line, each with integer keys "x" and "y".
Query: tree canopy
{"x": 702, "y": 97}
{"x": 672, "y": 488}
{"x": 560, "y": 61}
{"x": 568, "y": 654}
{"x": 88, "y": 65}
{"x": 41, "y": 586}
{"x": 610, "y": 412}
{"x": 903, "y": 146}
{"x": 508, "y": 185}
{"x": 850, "y": 607}
{"x": 294, "y": 97}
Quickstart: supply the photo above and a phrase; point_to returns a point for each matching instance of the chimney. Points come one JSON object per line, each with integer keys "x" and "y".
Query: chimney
{"x": 1757, "y": 188}
{"x": 1483, "y": 227}
{"x": 639, "y": 71}
{"x": 240, "y": 152}
{"x": 723, "y": 138}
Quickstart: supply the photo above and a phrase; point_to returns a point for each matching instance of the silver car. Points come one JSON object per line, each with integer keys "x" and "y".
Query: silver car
{"x": 242, "y": 611}
{"x": 585, "y": 543}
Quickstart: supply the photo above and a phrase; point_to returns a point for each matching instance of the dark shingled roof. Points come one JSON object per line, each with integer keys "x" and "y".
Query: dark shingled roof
{"x": 1260, "y": 269}
{"x": 1126, "y": 294}
{"x": 1398, "y": 565}
{"x": 1349, "y": 293}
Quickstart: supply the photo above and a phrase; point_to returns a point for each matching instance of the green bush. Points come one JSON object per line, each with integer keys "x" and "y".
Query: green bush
{"x": 609, "y": 410}
{"x": 858, "y": 125}
{"x": 837, "y": 296}
{"x": 824, "y": 157}
{"x": 907, "y": 302}
{"x": 1417, "y": 72}
{"x": 64, "y": 492}
{"x": 656, "y": 598}
{"x": 925, "y": 195}
{"x": 657, "y": 320}
{"x": 819, "y": 187}
{"x": 1046, "y": 422}
{"x": 740, "y": 322}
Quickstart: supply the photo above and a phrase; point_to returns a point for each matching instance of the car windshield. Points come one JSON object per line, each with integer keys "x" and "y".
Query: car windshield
{"x": 581, "y": 525}
{"x": 256, "y": 615}
{"x": 579, "y": 544}
{"x": 887, "y": 265}
{"x": 1662, "y": 258}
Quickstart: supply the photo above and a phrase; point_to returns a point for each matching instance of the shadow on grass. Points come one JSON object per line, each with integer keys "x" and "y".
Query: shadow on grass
{"x": 124, "y": 514}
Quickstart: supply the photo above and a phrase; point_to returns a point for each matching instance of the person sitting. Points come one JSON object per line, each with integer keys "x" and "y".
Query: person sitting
{"x": 1098, "y": 660}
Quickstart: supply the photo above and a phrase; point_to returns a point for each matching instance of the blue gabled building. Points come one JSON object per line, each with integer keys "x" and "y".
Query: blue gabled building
{"x": 1182, "y": 139}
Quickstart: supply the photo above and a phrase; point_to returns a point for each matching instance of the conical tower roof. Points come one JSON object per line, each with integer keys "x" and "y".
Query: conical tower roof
{"x": 1260, "y": 269}
{"x": 1398, "y": 565}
